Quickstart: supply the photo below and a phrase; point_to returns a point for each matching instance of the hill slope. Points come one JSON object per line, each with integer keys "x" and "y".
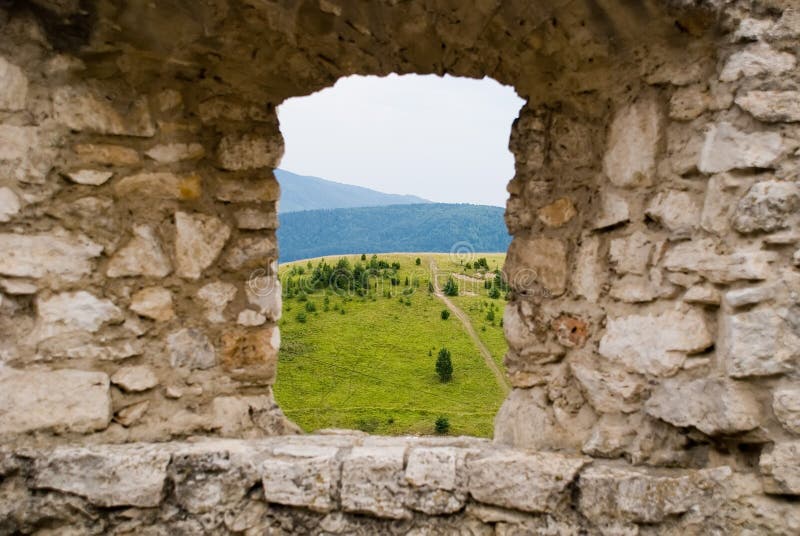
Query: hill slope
{"x": 299, "y": 192}
{"x": 430, "y": 227}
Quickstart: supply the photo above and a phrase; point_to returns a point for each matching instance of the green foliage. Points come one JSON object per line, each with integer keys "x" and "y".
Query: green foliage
{"x": 450, "y": 287}
{"x": 494, "y": 293}
{"x": 310, "y": 307}
{"x": 417, "y": 261}
{"x": 481, "y": 263}
{"x": 444, "y": 366}
{"x": 445, "y": 314}
{"x": 363, "y": 257}
{"x": 301, "y": 317}
{"x": 490, "y": 315}
{"x": 442, "y": 425}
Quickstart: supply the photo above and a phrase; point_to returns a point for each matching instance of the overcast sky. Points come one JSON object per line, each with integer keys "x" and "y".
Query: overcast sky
{"x": 444, "y": 139}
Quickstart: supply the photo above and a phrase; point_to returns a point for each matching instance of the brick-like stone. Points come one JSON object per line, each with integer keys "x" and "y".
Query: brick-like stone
{"x": 302, "y": 476}
{"x": 557, "y": 213}
{"x": 726, "y": 148}
{"x": 768, "y": 206}
{"x": 169, "y": 153}
{"x": 771, "y": 106}
{"x": 786, "y": 406}
{"x": 589, "y": 275}
{"x": 59, "y": 255}
{"x": 757, "y": 59}
{"x": 113, "y": 155}
{"x": 159, "y": 185}
{"x": 760, "y": 342}
{"x": 609, "y": 388}
{"x": 249, "y": 151}
{"x": 215, "y": 297}
{"x": 73, "y": 311}
{"x": 252, "y": 219}
{"x": 373, "y": 483}
{"x": 191, "y": 348}
{"x": 679, "y": 212}
{"x": 9, "y": 204}
{"x": 630, "y": 158}
{"x": 90, "y": 177}
{"x": 141, "y": 256}
{"x": 86, "y": 109}
{"x": 701, "y": 256}
{"x": 252, "y": 351}
{"x": 251, "y": 253}
{"x": 631, "y": 254}
{"x": 258, "y": 190}
{"x": 199, "y": 239}
{"x": 437, "y": 476}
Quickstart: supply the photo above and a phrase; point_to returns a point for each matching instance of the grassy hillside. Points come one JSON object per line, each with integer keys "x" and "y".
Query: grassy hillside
{"x": 300, "y": 192}
{"x": 429, "y": 227}
{"x": 368, "y": 361}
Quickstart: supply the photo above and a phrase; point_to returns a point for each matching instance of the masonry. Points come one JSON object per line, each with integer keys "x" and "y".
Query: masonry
{"x": 654, "y": 328}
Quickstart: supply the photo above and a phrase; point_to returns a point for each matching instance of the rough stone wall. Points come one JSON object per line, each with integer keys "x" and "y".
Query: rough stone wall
{"x": 656, "y": 311}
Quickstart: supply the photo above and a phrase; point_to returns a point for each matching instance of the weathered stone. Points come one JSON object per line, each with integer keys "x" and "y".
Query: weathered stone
{"x": 251, "y": 253}
{"x": 114, "y": 155}
{"x": 726, "y": 148}
{"x": 631, "y": 254}
{"x": 72, "y": 311}
{"x": 18, "y": 287}
{"x": 788, "y": 26}
{"x": 759, "y": 343}
{"x": 141, "y": 256}
{"x": 199, "y": 239}
{"x": 767, "y": 206}
{"x": 570, "y": 331}
{"x": 255, "y": 352}
{"x": 60, "y": 400}
{"x": 786, "y": 406}
{"x": 438, "y": 480}
{"x": 632, "y": 144}
{"x": 130, "y": 415}
{"x": 90, "y": 177}
{"x": 250, "y": 416}
{"x": 160, "y": 185}
{"x": 373, "y": 483}
{"x": 175, "y": 152}
{"x": 689, "y": 103}
{"x": 749, "y": 295}
{"x": 771, "y": 106}
{"x": 59, "y": 255}
{"x": 259, "y": 190}
{"x": 190, "y": 348}
{"x": 537, "y": 261}
{"x": 557, "y": 213}
{"x": 713, "y": 406}
{"x": 81, "y": 345}
{"x": 215, "y": 297}
{"x": 9, "y": 204}
{"x": 135, "y": 379}
{"x": 84, "y": 109}
{"x": 781, "y": 468}
{"x": 701, "y": 256}
{"x": 757, "y": 59}
{"x": 613, "y": 210}
{"x": 248, "y": 151}
{"x": 153, "y": 302}
{"x": 13, "y": 86}
{"x": 250, "y": 318}
{"x": 706, "y": 295}
{"x": 537, "y": 482}
{"x": 677, "y": 211}
{"x": 265, "y": 293}
{"x": 638, "y": 289}
{"x": 252, "y": 219}
{"x": 609, "y": 388}
{"x": 302, "y": 476}
{"x": 718, "y": 205}
{"x": 589, "y": 276}
{"x": 655, "y": 344}
{"x": 107, "y": 475}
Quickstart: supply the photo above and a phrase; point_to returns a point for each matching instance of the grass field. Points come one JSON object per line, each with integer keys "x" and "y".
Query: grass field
{"x": 368, "y": 362}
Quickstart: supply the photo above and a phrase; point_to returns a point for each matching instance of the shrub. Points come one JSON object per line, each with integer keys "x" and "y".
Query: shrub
{"x": 451, "y": 287}
{"x": 302, "y": 296}
{"x": 445, "y": 314}
{"x": 363, "y": 257}
{"x": 444, "y": 366}
{"x": 310, "y": 307}
{"x": 442, "y": 425}
{"x": 430, "y": 287}
{"x": 301, "y": 317}
{"x": 494, "y": 293}
{"x": 490, "y": 315}
{"x": 417, "y": 261}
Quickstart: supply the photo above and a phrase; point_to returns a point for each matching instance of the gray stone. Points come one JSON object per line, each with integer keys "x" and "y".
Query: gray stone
{"x": 154, "y": 303}
{"x": 259, "y": 190}
{"x": 768, "y": 206}
{"x": 771, "y": 106}
{"x": 677, "y": 211}
{"x": 9, "y": 204}
{"x": 250, "y": 318}
{"x": 631, "y": 254}
{"x": 215, "y": 297}
{"x": 757, "y": 59}
{"x": 190, "y": 348}
{"x": 252, "y": 219}
{"x": 373, "y": 483}
{"x": 60, "y": 400}
{"x": 614, "y": 210}
{"x": 248, "y": 151}
{"x": 781, "y": 468}
{"x": 535, "y": 482}
{"x": 705, "y": 295}
{"x": 130, "y": 415}
{"x": 85, "y": 109}
{"x": 749, "y": 295}
{"x": 726, "y": 148}
{"x": 786, "y": 406}
{"x": 26, "y": 154}
{"x": 437, "y": 477}
{"x": 701, "y": 256}
{"x": 589, "y": 275}
{"x": 632, "y": 144}
{"x": 302, "y": 476}
{"x": 758, "y": 343}
{"x": 655, "y": 344}
{"x": 107, "y": 154}
{"x": 251, "y": 253}
{"x": 58, "y": 255}
{"x": 106, "y": 475}
{"x": 13, "y": 86}
{"x": 265, "y": 293}
{"x": 713, "y": 406}
{"x": 718, "y": 205}
{"x": 90, "y": 177}
{"x": 135, "y": 379}
{"x": 537, "y": 262}
{"x": 169, "y": 153}
{"x": 608, "y": 388}
{"x": 72, "y": 311}
{"x": 250, "y": 416}
{"x": 141, "y": 256}
{"x": 199, "y": 239}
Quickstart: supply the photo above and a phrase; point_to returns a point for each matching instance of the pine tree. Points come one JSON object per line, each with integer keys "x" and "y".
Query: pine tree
{"x": 444, "y": 366}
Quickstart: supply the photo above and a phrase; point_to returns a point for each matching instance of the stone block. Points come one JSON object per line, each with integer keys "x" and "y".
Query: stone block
{"x": 768, "y": 206}
{"x": 169, "y": 153}
{"x": 159, "y": 185}
{"x": 72, "y": 311}
{"x": 771, "y": 106}
{"x": 302, "y": 476}
{"x": 557, "y": 213}
{"x": 9, "y": 204}
{"x": 373, "y": 482}
{"x": 252, "y": 352}
{"x": 609, "y": 388}
{"x": 701, "y": 256}
{"x": 630, "y": 158}
{"x": 154, "y": 303}
{"x": 199, "y": 239}
{"x": 87, "y": 110}
{"x": 89, "y": 177}
{"x": 251, "y": 253}
{"x": 534, "y": 262}
{"x": 676, "y": 211}
{"x": 786, "y": 406}
{"x": 755, "y": 60}
{"x": 141, "y": 256}
{"x": 13, "y": 86}
{"x": 112, "y": 155}
{"x": 215, "y": 298}
{"x": 190, "y": 348}
{"x": 58, "y": 255}
{"x": 727, "y": 148}
{"x": 437, "y": 479}
{"x": 135, "y": 379}
{"x": 780, "y": 467}
{"x": 249, "y": 151}
{"x": 759, "y": 342}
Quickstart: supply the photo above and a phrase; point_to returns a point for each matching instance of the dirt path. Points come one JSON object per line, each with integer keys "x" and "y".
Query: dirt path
{"x": 502, "y": 381}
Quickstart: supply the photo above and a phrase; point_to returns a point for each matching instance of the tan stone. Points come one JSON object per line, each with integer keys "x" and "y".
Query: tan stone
{"x": 248, "y": 151}
{"x": 557, "y": 213}
{"x": 631, "y": 254}
{"x": 199, "y": 239}
{"x": 13, "y": 86}
{"x": 72, "y": 311}
{"x": 160, "y": 185}
{"x": 781, "y": 468}
{"x": 768, "y": 206}
{"x": 9, "y": 204}
{"x": 613, "y": 211}
{"x": 252, "y": 351}
{"x": 169, "y": 153}
{"x": 677, "y": 211}
{"x": 130, "y": 415}
{"x": 141, "y": 256}
{"x": 305, "y": 477}
{"x": 153, "y": 302}
{"x": 256, "y": 220}
{"x": 728, "y": 148}
{"x": 632, "y": 143}
{"x": 85, "y": 109}
{"x": 90, "y": 176}
{"x": 248, "y": 190}
{"x": 701, "y": 256}
{"x": 534, "y": 262}
{"x": 786, "y": 406}
{"x": 609, "y": 388}
{"x": 215, "y": 297}
{"x": 135, "y": 379}
{"x": 59, "y": 255}
{"x": 757, "y": 59}
{"x": 589, "y": 275}
{"x": 251, "y": 253}
{"x": 759, "y": 342}
{"x": 191, "y": 348}
{"x": 771, "y": 106}
{"x": 372, "y": 482}
{"x": 114, "y": 155}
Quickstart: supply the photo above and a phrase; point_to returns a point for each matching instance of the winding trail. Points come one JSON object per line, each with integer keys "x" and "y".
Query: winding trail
{"x": 502, "y": 381}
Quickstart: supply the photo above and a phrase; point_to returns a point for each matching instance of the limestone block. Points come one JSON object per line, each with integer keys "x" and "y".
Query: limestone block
{"x": 718, "y": 206}
{"x": 61, "y": 400}
{"x": 72, "y": 311}
{"x": 557, "y": 213}
{"x": 437, "y": 478}
{"x": 130, "y": 415}
{"x": 701, "y": 256}
{"x": 537, "y": 261}
{"x": 141, "y": 256}
{"x": 85, "y": 109}
{"x": 726, "y": 148}
{"x": 9, "y": 204}
{"x": 768, "y": 206}
{"x": 677, "y": 211}
{"x": 786, "y": 406}
{"x": 215, "y": 298}
{"x": 702, "y": 294}
{"x": 199, "y": 239}
{"x": 191, "y": 348}
{"x": 713, "y": 406}
{"x": 757, "y": 59}
{"x": 689, "y": 103}
{"x": 250, "y": 318}
{"x": 59, "y": 255}
{"x": 13, "y": 86}
{"x": 154, "y": 303}
{"x": 631, "y": 254}
{"x": 169, "y": 153}
{"x": 251, "y": 253}
{"x": 655, "y": 344}
{"x": 159, "y": 185}
{"x": 302, "y": 476}
{"x": 609, "y": 388}
{"x": 249, "y": 416}
{"x": 788, "y": 26}
{"x": 373, "y": 483}
{"x": 781, "y": 468}
{"x": 252, "y": 352}
{"x": 112, "y": 155}
{"x": 249, "y": 151}
{"x": 248, "y": 190}
{"x": 613, "y": 210}
{"x": 135, "y": 379}
{"x": 106, "y": 475}
{"x": 90, "y": 177}
{"x": 742, "y": 297}
{"x": 589, "y": 275}
{"x": 535, "y": 482}
{"x": 771, "y": 106}
{"x": 760, "y": 342}
{"x": 630, "y": 158}
{"x": 256, "y": 219}
{"x": 637, "y": 289}
{"x": 264, "y": 292}
{"x": 21, "y": 154}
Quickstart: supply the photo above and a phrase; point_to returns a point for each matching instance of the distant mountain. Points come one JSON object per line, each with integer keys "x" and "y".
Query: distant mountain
{"x": 430, "y": 227}
{"x": 299, "y": 192}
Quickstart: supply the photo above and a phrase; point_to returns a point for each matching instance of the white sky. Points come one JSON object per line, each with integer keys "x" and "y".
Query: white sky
{"x": 444, "y": 139}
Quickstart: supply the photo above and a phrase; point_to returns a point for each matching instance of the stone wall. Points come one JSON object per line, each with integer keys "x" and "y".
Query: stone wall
{"x": 655, "y": 317}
